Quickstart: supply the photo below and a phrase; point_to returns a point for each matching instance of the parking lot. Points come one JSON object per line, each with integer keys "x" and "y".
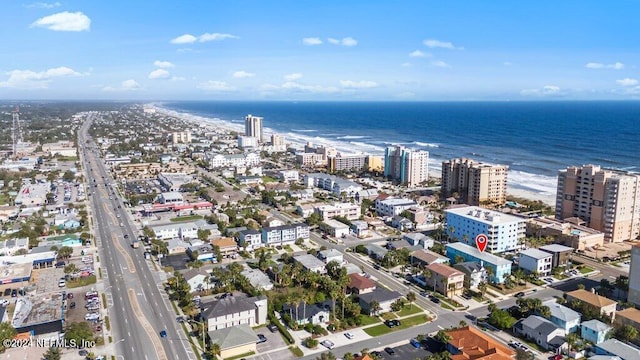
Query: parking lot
{"x": 274, "y": 340}
{"x": 406, "y": 352}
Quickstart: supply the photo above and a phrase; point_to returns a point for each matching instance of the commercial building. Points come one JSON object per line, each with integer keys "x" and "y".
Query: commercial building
{"x": 173, "y": 181}
{"x": 247, "y": 142}
{"x": 253, "y": 127}
{"x": 233, "y": 160}
{"x": 500, "y": 267}
{"x": 33, "y": 194}
{"x": 408, "y": 167}
{"x": 535, "y": 261}
{"x": 390, "y": 206}
{"x": 475, "y": 183}
{"x": 504, "y": 232}
{"x": 39, "y": 316}
{"x": 347, "y": 210}
{"x": 278, "y": 143}
{"x": 607, "y": 200}
{"x": 342, "y": 162}
{"x": 566, "y": 232}
{"x": 634, "y": 276}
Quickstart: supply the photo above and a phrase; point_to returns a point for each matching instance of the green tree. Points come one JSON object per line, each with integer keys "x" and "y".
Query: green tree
{"x": 442, "y": 337}
{"x": 374, "y": 307}
{"x": 572, "y": 340}
{"x": 524, "y": 355}
{"x": 314, "y": 219}
{"x": 7, "y": 332}
{"x": 78, "y": 332}
{"x": 53, "y": 353}
{"x": 203, "y": 234}
{"x": 411, "y": 297}
{"x": 327, "y": 355}
{"x": 65, "y": 252}
{"x": 482, "y": 287}
{"x": 70, "y": 269}
{"x": 625, "y": 333}
{"x": 68, "y": 176}
{"x": 501, "y": 319}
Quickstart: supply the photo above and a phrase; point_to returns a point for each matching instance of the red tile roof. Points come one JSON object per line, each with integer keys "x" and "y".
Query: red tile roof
{"x": 444, "y": 270}
{"x": 474, "y": 344}
{"x": 360, "y": 282}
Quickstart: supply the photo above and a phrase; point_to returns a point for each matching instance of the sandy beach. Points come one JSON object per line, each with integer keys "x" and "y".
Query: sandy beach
{"x": 515, "y": 189}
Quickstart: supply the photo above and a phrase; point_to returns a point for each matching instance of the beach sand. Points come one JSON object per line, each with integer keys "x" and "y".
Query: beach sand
{"x": 434, "y": 169}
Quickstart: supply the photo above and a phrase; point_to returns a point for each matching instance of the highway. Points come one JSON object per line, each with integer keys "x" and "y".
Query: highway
{"x": 140, "y": 310}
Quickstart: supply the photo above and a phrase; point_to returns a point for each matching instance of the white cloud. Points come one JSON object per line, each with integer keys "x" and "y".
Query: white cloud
{"x": 440, "y": 64}
{"x": 596, "y": 65}
{"x": 162, "y": 64}
{"x": 127, "y": 85}
{"x": 312, "y": 41}
{"x": 546, "y": 90}
{"x": 178, "y": 78}
{"x": 206, "y": 37}
{"x": 28, "y": 79}
{"x": 293, "y": 76}
{"x": 419, "y": 54}
{"x": 212, "y": 85}
{"x": 44, "y": 5}
{"x": 159, "y": 74}
{"x": 64, "y": 21}
{"x": 184, "y": 39}
{"x": 348, "y": 41}
{"x": 292, "y": 85}
{"x": 243, "y": 74}
{"x": 432, "y": 43}
{"x": 364, "y": 84}
{"x": 627, "y": 82}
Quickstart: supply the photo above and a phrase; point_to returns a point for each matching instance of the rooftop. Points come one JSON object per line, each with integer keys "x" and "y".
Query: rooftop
{"x": 224, "y": 242}
{"x": 428, "y": 256}
{"x": 360, "y": 282}
{"x": 234, "y": 336}
{"x": 555, "y": 248}
{"x": 539, "y": 324}
{"x": 535, "y": 253}
{"x": 444, "y": 270}
{"x": 476, "y": 345}
{"x": 618, "y": 348}
{"x": 479, "y": 214}
{"x": 335, "y": 224}
{"x": 309, "y": 261}
{"x": 380, "y": 295}
{"x": 45, "y": 310}
{"x": 632, "y": 314}
{"x": 561, "y": 312}
{"x": 591, "y": 298}
{"x": 229, "y": 305}
{"x": 473, "y": 251}
{"x": 596, "y": 325}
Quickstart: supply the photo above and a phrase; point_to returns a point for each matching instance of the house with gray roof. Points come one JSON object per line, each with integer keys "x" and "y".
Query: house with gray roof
{"x": 234, "y": 310}
{"x": 615, "y": 347}
{"x": 234, "y": 341}
{"x": 563, "y": 317}
{"x": 419, "y": 239}
{"x": 474, "y": 273}
{"x": 382, "y": 296}
{"x": 303, "y": 313}
{"x": 594, "y": 331}
{"x": 258, "y": 279}
{"x": 542, "y": 331}
{"x": 375, "y": 251}
{"x": 198, "y": 279}
{"x": 311, "y": 263}
{"x": 330, "y": 255}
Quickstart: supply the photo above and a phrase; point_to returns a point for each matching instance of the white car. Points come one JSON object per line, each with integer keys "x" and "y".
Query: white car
{"x": 92, "y": 316}
{"x": 349, "y": 335}
{"x": 328, "y": 344}
{"x": 62, "y": 283}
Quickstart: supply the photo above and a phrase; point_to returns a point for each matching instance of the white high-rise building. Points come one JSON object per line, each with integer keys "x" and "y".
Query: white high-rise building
{"x": 409, "y": 167}
{"x": 253, "y": 127}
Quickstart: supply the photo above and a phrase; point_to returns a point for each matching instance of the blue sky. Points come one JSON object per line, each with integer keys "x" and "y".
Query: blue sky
{"x": 320, "y": 50}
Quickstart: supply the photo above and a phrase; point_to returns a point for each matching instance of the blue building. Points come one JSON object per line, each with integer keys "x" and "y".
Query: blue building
{"x": 595, "y": 331}
{"x": 501, "y": 267}
{"x": 563, "y": 317}
{"x": 504, "y": 232}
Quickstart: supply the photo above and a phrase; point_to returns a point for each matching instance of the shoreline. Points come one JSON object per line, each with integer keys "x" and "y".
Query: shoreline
{"x": 513, "y": 188}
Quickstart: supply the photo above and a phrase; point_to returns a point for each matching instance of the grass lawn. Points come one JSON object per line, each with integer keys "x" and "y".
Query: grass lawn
{"x": 296, "y": 351}
{"x": 585, "y": 270}
{"x": 186, "y": 218}
{"x": 74, "y": 283}
{"x": 388, "y": 316}
{"x": 409, "y": 310}
{"x": 269, "y": 179}
{"x": 404, "y": 324}
{"x": 241, "y": 356}
{"x": 368, "y": 320}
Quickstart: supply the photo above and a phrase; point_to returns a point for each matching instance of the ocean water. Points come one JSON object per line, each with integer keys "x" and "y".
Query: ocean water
{"x": 535, "y": 139}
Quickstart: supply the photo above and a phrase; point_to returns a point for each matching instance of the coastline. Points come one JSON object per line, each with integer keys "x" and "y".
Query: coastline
{"x": 515, "y": 188}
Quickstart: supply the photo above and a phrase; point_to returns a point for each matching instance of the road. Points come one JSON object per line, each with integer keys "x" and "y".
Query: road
{"x": 140, "y": 310}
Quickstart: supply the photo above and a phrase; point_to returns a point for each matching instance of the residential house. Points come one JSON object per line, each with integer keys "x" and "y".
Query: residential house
{"x": 535, "y": 261}
{"x": 198, "y": 279}
{"x": 401, "y": 223}
{"x": 375, "y": 251}
{"x": 474, "y": 273}
{"x": 359, "y": 284}
{"x": 500, "y": 267}
{"x": 360, "y": 228}
{"x": 228, "y": 247}
{"x": 445, "y": 280}
{"x": 469, "y": 343}
{"x": 201, "y": 251}
{"x": 330, "y": 255}
{"x": 561, "y": 254}
{"x": 272, "y": 221}
{"x": 382, "y": 296}
{"x": 285, "y": 234}
{"x": 335, "y": 228}
{"x": 563, "y": 317}
{"x": 346, "y": 210}
{"x": 177, "y": 246}
{"x": 542, "y": 331}
{"x": 599, "y": 304}
{"x": 311, "y": 263}
{"x": 305, "y": 210}
{"x": 250, "y": 239}
{"x": 419, "y": 239}
{"x": 389, "y": 206}
{"x": 423, "y": 258}
{"x": 594, "y": 331}
{"x": 234, "y": 341}
{"x": 307, "y": 313}
{"x": 258, "y": 279}
{"x": 615, "y": 347}
{"x": 629, "y": 316}
{"x": 235, "y": 310}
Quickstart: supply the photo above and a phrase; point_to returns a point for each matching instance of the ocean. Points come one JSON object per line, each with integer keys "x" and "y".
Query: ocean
{"x": 535, "y": 139}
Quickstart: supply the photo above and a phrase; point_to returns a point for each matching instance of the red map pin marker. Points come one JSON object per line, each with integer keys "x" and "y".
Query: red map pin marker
{"x": 481, "y": 242}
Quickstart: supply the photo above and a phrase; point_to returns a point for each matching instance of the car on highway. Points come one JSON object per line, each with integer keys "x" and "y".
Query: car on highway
{"x": 328, "y": 344}
{"x": 389, "y": 351}
{"x": 163, "y": 333}
{"x": 349, "y": 335}
{"x": 519, "y": 295}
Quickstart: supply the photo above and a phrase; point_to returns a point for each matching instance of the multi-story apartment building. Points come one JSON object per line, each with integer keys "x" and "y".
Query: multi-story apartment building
{"x": 634, "y": 276}
{"x": 408, "y": 167}
{"x": 607, "y": 200}
{"x": 181, "y": 137}
{"x": 393, "y": 206}
{"x": 309, "y": 159}
{"x": 342, "y": 162}
{"x": 253, "y": 126}
{"x": 250, "y": 239}
{"x": 445, "y": 280}
{"x": 241, "y": 160}
{"x": 500, "y": 267}
{"x": 247, "y": 142}
{"x": 346, "y": 210}
{"x": 504, "y": 232}
{"x": 235, "y": 310}
{"x": 476, "y": 183}
{"x": 534, "y": 260}
{"x": 284, "y": 234}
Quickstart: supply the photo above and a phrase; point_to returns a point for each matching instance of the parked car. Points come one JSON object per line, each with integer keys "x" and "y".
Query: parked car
{"x": 261, "y": 339}
{"x": 272, "y": 327}
{"x": 389, "y": 351}
{"x": 519, "y": 295}
{"x": 392, "y": 323}
{"x": 415, "y": 343}
{"x": 328, "y": 344}
{"x": 349, "y": 335}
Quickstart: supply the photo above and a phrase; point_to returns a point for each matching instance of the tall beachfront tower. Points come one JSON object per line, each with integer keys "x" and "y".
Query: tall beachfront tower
{"x": 606, "y": 200}
{"x": 253, "y": 127}
{"x": 634, "y": 276}
{"x": 475, "y": 182}
{"x": 409, "y": 167}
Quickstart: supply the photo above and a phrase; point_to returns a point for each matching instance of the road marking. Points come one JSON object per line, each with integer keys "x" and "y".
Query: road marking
{"x": 440, "y": 327}
{"x": 157, "y": 344}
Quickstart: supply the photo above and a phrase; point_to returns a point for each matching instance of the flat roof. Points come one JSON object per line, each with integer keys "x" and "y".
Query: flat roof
{"x": 335, "y": 224}
{"x": 556, "y": 248}
{"x": 535, "y": 253}
{"x": 44, "y": 310}
{"x": 473, "y": 251}
{"x": 483, "y": 215}
{"x": 15, "y": 272}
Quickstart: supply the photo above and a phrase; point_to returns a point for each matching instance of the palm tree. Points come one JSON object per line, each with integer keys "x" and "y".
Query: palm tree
{"x": 572, "y": 340}
{"x": 215, "y": 349}
{"x": 374, "y": 307}
{"x": 483, "y": 288}
{"x": 411, "y": 297}
{"x": 489, "y": 271}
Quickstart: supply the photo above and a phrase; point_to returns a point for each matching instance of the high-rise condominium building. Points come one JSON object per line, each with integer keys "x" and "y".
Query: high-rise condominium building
{"x": 634, "y": 276}
{"x": 606, "y": 200}
{"x": 253, "y": 127}
{"x": 475, "y": 182}
{"x": 409, "y": 167}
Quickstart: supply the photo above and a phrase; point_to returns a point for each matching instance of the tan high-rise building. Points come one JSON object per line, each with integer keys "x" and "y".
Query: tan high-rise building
{"x": 253, "y": 127}
{"x": 607, "y": 200}
{"x": 475, "y": 182}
